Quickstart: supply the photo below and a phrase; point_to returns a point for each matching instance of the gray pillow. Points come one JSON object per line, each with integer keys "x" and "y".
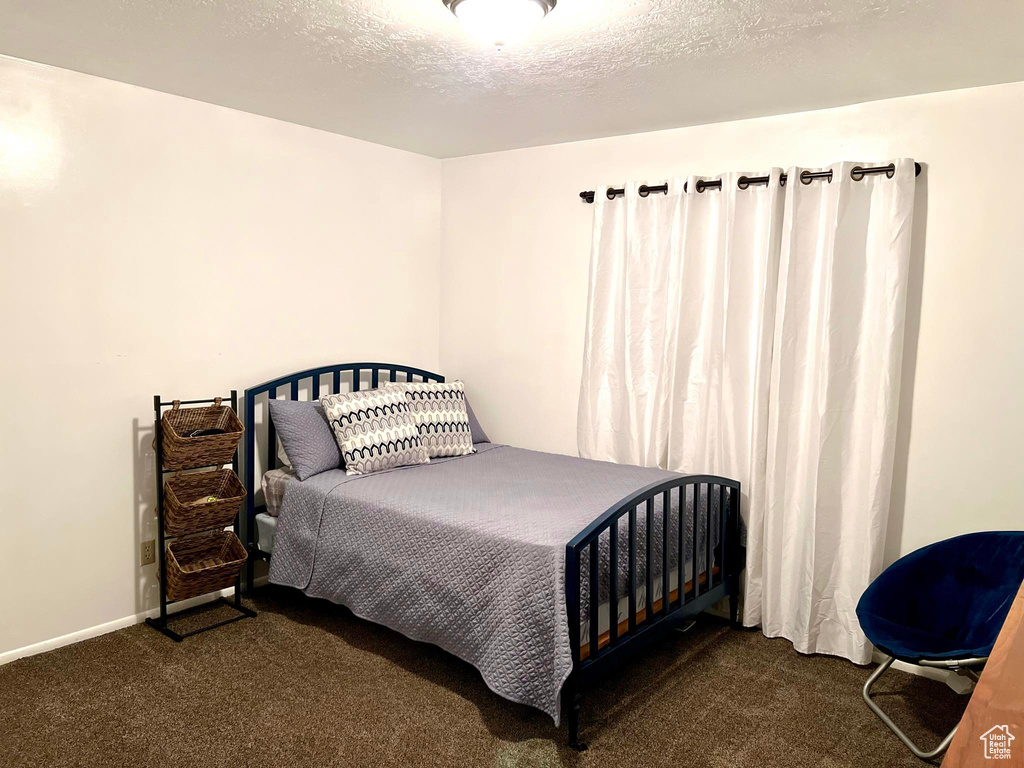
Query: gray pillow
{"x": 306, "y": 437}
{"x": 479, "y": 436}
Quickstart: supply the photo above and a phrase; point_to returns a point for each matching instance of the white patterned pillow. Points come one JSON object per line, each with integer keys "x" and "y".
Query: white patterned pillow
{"x": 375, "y": 430}
{"x": 441, "y": 415}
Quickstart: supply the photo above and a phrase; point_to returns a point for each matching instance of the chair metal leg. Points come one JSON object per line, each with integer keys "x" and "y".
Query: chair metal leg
{"x": 943, "y": 746}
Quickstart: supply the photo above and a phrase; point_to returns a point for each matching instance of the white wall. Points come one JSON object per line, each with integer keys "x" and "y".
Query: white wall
{"x": 153, "y": 244}
{"x": 516, "y": 247}
{"x": 274, "y": 247}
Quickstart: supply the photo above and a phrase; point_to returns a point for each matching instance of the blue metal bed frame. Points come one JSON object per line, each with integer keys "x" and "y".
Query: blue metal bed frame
{"x": 645, "y": 622}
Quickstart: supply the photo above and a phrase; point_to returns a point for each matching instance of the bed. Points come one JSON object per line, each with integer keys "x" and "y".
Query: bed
{"x": 494, "y": 556}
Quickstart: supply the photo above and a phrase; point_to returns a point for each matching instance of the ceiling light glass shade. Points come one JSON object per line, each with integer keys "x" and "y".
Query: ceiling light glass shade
{"x": 500, "y": 22}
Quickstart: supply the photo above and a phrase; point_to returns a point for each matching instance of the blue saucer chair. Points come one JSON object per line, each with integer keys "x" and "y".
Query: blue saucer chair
{"x": 942, "y": 607}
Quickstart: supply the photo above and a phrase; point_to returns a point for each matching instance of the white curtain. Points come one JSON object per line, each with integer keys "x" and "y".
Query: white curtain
{"x": 626, "y": 370}
{"x": 757, "y": 333}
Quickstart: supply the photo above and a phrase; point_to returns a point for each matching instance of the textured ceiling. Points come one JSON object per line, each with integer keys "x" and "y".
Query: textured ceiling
{"x": 404, "y": 73}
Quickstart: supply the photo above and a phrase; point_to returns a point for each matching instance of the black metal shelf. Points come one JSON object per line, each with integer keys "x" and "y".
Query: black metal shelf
{"x": 161, "y": 623}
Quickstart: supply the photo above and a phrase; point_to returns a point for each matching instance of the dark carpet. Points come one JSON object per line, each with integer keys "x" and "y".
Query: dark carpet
{"x": 306, "y": 683}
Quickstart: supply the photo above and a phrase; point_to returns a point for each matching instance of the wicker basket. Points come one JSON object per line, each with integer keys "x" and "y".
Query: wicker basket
{"x": 203, "y": 451}
{"x": 203, "y": 563}
{"x": 186, "y": 509}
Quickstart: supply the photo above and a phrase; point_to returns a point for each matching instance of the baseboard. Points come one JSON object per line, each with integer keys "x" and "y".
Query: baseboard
{"x": 111, "y": 626}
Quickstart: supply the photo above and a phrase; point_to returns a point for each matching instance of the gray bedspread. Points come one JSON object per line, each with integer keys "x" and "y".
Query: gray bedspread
{"x": 467, "y": 553}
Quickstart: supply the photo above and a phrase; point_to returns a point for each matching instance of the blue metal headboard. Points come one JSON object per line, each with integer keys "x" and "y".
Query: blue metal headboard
{"x": 356, "y": 375}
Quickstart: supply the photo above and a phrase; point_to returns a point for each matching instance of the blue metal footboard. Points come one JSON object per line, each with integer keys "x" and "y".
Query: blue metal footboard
{"x": 696, "y": 496}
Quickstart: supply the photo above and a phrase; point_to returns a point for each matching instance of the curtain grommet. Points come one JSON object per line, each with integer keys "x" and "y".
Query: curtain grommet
{"x": 644, "y": 190}
{"x": 611, "y": 193}
{"x": 806, "y": 177}
{"x": 742, "y": 182}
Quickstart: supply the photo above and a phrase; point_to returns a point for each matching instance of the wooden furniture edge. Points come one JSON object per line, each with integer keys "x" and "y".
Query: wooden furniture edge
{"x": 998, "y": 699}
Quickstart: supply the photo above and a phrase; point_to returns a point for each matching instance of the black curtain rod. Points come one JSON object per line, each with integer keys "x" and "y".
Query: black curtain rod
{"x": 806, "y": 177}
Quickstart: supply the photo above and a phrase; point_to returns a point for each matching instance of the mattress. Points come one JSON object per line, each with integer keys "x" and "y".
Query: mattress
{"x": 468, "y": 553}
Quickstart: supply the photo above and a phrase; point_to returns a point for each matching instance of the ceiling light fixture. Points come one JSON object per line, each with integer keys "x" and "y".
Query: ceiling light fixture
{"x": 500, "y": 22}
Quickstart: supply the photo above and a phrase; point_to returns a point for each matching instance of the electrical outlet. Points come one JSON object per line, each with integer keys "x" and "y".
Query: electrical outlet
{"x": 148, "y": 553}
